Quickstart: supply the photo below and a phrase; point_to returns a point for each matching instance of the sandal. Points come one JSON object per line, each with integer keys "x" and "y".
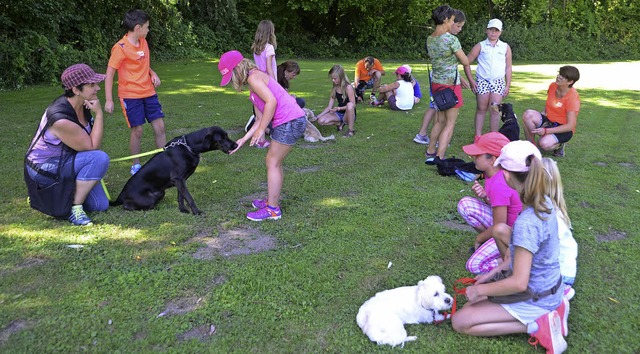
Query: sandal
{"x": 349, "y": 133}
{"x": 340, "y": 126}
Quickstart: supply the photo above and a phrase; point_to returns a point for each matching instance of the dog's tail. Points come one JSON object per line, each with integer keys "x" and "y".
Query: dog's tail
{"x": 330, "y": 137}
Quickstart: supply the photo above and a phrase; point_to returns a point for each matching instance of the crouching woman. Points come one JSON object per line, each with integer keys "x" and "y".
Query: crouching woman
{"x": 528, "y": 297}
{"x": 66, "y": 145}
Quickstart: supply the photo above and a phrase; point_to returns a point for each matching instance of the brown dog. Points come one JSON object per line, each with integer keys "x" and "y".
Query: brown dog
{"x": 312, "y": 134}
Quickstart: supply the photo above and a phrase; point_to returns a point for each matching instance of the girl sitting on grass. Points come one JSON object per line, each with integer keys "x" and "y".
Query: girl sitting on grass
{"x": 399, "y": 93}
{"x": 533, "y": 267}
{"x": 344, "y": 94}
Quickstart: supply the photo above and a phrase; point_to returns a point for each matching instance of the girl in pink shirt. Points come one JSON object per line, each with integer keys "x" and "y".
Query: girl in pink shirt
{"x": 497, "y": 203}
{"x": 272, "y": 104}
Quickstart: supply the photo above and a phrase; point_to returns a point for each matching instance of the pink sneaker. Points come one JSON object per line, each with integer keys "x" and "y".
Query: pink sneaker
{"x": 259, "y": 203}
{"x": 549, "y": 333}
{"x": 265, "y": 214}
{"x": 563, "y": 312}
{"x": 263, "y": 144}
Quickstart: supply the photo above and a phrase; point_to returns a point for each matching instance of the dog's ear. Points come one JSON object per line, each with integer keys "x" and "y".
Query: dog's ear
{"x": 425, "y": 294}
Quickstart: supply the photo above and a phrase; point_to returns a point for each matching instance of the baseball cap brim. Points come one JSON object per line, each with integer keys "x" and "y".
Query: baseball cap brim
{"x": 472, "y": 150}
{"x": 226, "y": 78}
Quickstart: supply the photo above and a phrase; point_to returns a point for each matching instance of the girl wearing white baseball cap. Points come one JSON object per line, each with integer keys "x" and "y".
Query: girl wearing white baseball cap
{"x": 523, "y": 294}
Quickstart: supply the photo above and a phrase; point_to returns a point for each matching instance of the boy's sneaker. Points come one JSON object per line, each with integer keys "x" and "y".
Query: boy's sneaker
{"x": 250, "y": 122}
{"x": 265, "y": 213}
{"x": 263, "y": 144}
{"x": 421, "y": 139}
{"x": 559, "y": 152}
{"x": 78, "y": 217}
{"x": 135, "y": 168}
{"x": 372, "y": 98}
{"x": 569, "y": 292}
{"x": 259, "y": 203}
{"x": 563, "y": 312}
{"x": 549, "y": 333}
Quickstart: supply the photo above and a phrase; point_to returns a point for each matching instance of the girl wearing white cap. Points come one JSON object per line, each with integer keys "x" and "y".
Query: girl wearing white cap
{"x": 493, "y": 75}
{"x": 528, "y": 297}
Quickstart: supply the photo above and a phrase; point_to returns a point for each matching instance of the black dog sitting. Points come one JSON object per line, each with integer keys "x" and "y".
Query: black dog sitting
{"x": 510, "y": 127}
{"x": 172, "y": 167}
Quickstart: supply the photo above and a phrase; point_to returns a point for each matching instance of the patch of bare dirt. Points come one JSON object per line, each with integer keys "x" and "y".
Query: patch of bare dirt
{"x": 27, "y": 263}
{"x": 586, "y": 205}
{"x": 201, "y": 333}
{"x": 14, "y": 327}
{"x": 181, "y": 306}
{"x": 601, "y": 164}
{"x": 308, "y": 169}
{"x": 612, "y": 235}
{"x": 234, "y": 242}
{"x": 457, "y": 226}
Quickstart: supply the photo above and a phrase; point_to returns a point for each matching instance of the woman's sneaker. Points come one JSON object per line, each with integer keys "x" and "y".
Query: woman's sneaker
{"x": 265, "y": 213}
{"x": 78, "y": 217}
{"x": 421, "y": 139}
{"x": 549, "y": 333}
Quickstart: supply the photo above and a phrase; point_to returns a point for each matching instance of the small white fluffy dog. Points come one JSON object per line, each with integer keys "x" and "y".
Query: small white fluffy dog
{"x": 312, "y": 134}
{"x": 382, "y": 318}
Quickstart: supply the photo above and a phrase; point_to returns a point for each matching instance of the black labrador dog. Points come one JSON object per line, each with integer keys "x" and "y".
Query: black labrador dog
{"x": 510, "y": 127}
{"x": 172, "y": 167}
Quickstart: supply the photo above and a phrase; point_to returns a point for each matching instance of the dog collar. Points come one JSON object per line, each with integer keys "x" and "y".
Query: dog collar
{"x": 182, "y": 141}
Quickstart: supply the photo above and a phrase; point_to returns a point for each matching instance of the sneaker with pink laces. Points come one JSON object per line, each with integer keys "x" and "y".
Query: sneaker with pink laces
{"x": 265, "y": 213}
{"x": 549, "y": 333}
{"x": 563, "y": 312}
{"x": 259, "y": 203}
{"x": 262, "y": 144}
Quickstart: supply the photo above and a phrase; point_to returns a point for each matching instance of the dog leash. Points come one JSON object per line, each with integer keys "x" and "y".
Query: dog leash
{"x": 104, "y": 186}
{"x": 459, "y": 288}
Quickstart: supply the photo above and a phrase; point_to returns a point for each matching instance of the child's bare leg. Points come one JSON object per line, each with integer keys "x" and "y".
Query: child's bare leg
{"x": 135, "y": 140}
{"x": 159, "y": 132}
{"x": 502, "y": 235}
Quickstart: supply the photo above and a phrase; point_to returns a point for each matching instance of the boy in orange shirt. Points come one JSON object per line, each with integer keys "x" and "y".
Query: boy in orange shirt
{"x": 556, "y": 124}
{"x": 136, "y": 83}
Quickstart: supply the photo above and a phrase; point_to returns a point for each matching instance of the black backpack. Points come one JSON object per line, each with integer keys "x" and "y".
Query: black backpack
{"x": 448, "y": 167}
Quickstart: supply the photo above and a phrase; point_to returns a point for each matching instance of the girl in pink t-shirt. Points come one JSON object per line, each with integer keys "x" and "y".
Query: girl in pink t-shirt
{"x": 272, "y": 104}
{"x": 264, "y": 48}
{"x": 496, "y": 203}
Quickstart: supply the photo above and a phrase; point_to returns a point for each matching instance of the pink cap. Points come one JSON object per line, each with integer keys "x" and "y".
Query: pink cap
{"x": 401, "y": 70}
{"x": 489, "y": 143}
{"x": 79, "y": 74}
{"x": 228, "y": 61}
{"x": 513, "y": 156}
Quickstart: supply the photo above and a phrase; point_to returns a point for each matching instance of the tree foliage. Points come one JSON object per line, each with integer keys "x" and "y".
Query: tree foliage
{"x": 39, "y": 38}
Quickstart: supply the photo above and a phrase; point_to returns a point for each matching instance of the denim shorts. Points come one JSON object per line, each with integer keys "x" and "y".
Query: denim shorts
{"x": 560, "y": 137}
{"x": 137, "y": 110}
{"x": 289, "y": 132}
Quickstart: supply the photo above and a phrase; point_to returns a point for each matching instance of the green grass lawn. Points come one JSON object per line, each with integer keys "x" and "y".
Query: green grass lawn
{"x": 159, "y": 280}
